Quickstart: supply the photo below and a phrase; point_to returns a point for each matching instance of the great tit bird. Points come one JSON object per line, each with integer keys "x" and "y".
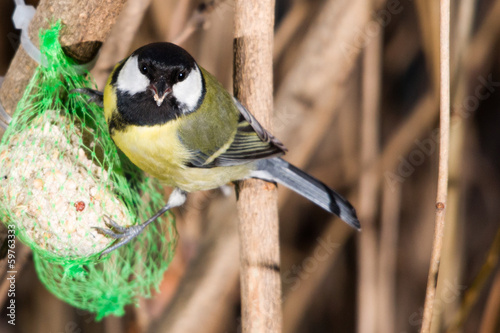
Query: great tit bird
{"x": 175, "y": 121}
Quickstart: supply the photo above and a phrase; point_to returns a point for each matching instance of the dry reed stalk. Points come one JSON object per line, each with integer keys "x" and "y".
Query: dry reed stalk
{"x": 257, "y": 200}
{"x": 289, "y": 27}
{"x": 484, "y": 42}
{"x": 391, "y": 209}
{"x": 117, "y": 45}
{"x": 199, "y": 19}
{"x": 367, "y": 308}
{"x": 42, "y": 309}
{"x": 490, "y": 322}
{"x": 472, "y": 294}
{"x": 348, "y": 133}
{"x": 116, "y": 324}
{"x": 158, "y": 23}
{"x": 444, "y": 142}
{"x": 425, "y": 111}
{"x": 179, "y": 19}
{"x": 415, "y": 126}
{"x": 218, "y": 36}
{"x": 453, "y": 251}
{"x": 302, "y": 288}
{"x": 300, "y": 297}
{"x": 209, "y": 288}
{"x": 428, "y": 14}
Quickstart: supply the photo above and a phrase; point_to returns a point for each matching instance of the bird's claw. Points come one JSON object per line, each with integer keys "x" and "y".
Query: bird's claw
{"x": 107, "y": 232}
{"x": 111, "y": 224}
{"x": 123, "y": 235}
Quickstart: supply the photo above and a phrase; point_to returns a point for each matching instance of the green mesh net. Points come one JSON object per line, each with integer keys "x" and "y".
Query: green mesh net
{"x": 60, "y": 174}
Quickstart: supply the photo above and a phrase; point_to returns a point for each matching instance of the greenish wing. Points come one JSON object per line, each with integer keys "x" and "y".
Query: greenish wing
{"x": 251, "y": 142}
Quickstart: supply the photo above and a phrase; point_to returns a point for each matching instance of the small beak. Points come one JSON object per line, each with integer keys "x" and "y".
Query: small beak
{"x": 160, "y": 90}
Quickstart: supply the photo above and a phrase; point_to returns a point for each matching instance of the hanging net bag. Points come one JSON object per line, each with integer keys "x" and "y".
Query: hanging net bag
{"x": 60, "y": 175}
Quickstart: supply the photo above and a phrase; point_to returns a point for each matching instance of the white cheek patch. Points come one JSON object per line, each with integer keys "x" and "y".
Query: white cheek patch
{"x": 189, "y": 91}
{"x": 130, "y": 79}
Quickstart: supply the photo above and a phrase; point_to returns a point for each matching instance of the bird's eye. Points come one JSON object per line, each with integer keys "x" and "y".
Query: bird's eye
{"x": 181, "y": 76}
{"x": 143, "y": 68}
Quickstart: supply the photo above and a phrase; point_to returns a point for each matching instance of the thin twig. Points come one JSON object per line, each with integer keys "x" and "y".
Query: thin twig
{"x": 368, "y": 188}
{"x": 391, "y": 208}
{"x": 425, "y": 111}
{"x": 453, "y": 249}
{"x": 442, "y": 189}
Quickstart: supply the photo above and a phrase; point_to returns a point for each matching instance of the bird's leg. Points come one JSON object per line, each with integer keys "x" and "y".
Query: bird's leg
{"x": 124, "y": 235}
{"x": 5, "y": 118}
{"x": 3, "y": 124}
{"x": 95, "y": 96}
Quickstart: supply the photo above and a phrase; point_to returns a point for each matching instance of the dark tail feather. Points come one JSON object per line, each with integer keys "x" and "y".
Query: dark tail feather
{"x": 280, "y": 171}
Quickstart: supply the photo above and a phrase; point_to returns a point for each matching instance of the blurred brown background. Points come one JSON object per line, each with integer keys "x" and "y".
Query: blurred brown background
{"x": 356, "y": 86}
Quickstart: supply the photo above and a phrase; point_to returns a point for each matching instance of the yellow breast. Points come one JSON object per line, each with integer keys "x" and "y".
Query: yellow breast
{"x": 155, "y": 149}
{"x": 158, "y": 151}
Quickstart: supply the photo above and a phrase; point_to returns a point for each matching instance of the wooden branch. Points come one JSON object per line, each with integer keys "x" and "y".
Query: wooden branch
{"x": 257, "y": 200}
{"x": 207, "y": 268}
{"x": 444, "y": 141}
{"x": 86, "y": 26}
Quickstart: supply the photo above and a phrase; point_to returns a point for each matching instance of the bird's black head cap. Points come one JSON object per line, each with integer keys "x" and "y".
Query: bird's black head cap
{"x": 160, "y": 57}
{"x": 156, "y": 52}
